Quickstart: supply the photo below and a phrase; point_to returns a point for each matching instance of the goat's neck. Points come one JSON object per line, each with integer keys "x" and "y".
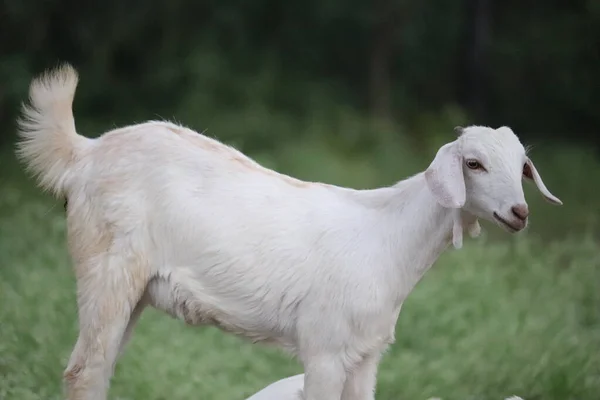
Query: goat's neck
{"x": 417, "y": 229}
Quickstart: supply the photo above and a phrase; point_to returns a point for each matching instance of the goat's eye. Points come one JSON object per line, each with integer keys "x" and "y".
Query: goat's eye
{"x": 473, "y": 164}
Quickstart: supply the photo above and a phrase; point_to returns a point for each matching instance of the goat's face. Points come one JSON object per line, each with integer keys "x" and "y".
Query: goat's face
{"x": 481, "y": 172}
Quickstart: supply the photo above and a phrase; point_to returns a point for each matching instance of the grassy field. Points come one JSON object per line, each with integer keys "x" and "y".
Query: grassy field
{"x": 504, "y": 316}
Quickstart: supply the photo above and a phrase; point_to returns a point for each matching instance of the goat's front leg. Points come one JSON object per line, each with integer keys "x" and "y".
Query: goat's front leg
{"x": 324, "y": 377}
{"x": 361, "y": 381}
{"x": 107, "y": 296}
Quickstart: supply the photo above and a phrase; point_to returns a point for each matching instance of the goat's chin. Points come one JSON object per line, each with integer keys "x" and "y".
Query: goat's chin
{"x": 509, "y": 226}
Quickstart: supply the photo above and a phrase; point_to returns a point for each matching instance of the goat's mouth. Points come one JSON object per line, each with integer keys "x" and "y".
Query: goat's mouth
{"x": 511, "y": 227}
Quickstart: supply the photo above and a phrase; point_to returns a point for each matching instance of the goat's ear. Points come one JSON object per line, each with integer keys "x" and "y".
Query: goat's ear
{"x": 531, "y": 173}
{"x": 445, "y": 177}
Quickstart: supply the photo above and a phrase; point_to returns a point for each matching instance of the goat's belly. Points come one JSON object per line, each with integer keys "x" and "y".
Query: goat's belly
{"x": 185, "y": 298}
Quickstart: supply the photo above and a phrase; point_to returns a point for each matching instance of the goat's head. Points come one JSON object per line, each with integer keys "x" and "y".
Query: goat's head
{"x": 481, "y": 173}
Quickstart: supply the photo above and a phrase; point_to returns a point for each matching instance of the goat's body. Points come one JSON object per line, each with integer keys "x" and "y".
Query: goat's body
{"x": 161, "y": 215}
{"x": 256, "y": 253}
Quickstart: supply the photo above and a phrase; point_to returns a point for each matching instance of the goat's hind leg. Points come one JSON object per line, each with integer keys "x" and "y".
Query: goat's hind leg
{"x": 109, "y": 288}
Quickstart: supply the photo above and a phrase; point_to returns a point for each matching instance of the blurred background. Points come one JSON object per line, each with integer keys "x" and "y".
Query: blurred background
{"x": 355, "y": 93}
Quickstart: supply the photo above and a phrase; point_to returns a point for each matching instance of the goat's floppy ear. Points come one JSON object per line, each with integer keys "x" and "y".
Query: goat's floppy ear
{"x": 445, "y": 178}
{"x": 531, "y": 173}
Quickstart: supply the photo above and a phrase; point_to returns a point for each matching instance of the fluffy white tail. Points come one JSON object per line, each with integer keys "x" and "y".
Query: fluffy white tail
{"x": 48, "y": 142}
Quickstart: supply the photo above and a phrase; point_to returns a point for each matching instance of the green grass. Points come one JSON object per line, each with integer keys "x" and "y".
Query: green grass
{"x": 505, "y": 315}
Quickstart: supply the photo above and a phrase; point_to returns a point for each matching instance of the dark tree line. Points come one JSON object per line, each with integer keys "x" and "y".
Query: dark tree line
{"x": 531, "y": 64}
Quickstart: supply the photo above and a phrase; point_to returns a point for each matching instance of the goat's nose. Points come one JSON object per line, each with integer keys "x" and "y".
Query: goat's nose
{"x": 521, "y": 211}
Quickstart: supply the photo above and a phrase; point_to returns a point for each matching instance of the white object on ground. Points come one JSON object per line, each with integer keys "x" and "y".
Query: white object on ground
{"x": 288, "y": 388}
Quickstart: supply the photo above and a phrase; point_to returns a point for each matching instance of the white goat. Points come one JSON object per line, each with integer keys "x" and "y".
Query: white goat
{"x": 161, "y": 215}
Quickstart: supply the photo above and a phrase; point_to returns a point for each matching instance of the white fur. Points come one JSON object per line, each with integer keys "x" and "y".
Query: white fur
{"x": 160, "y": 215}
